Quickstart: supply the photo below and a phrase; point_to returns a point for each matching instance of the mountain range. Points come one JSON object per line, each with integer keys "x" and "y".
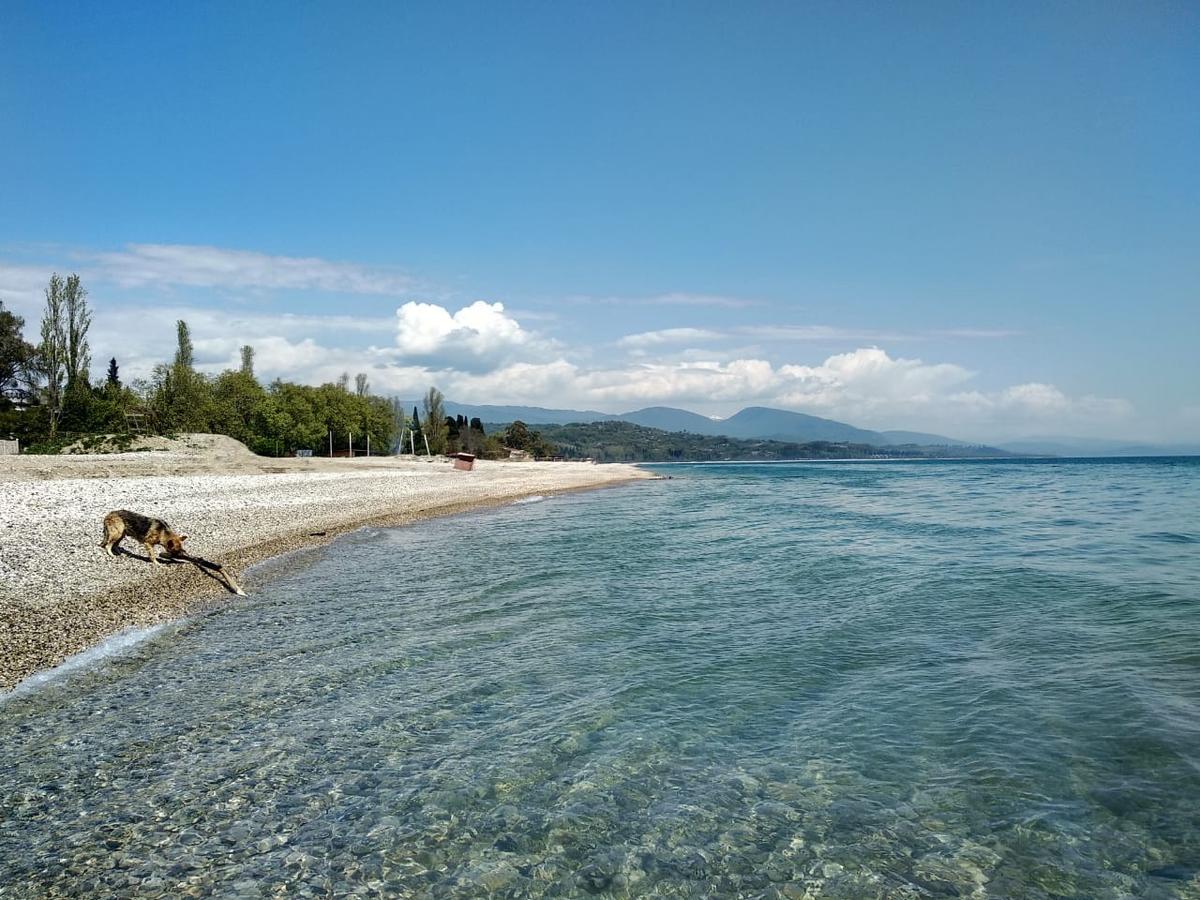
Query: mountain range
{"x": 753, "y": 422}
{"x": 764, "y": 423}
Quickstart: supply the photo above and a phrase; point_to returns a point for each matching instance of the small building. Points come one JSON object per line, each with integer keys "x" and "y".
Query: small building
{"x": 521, "y": 455}
{"x": 464, "y": 462}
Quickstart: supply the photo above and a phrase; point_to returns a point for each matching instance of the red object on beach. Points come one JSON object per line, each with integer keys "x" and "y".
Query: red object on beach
{"x": 464, "y": 461}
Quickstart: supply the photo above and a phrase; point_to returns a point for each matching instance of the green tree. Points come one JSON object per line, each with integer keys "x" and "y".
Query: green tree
{"x": 16, "y": 355}
{"x": 52, "y": 351}
{"x": 236, "y": 398}
{"x": 247, "y": 360}
{"x": 181, "y": 394}
{"x": 362, "y": 387}
{"x": 185, "y": 355}
{"x": 114, "y": 374}
{"x": 78, "y": 321}
{"x": 517, "y": 436}
{"x": 435, "y": 420}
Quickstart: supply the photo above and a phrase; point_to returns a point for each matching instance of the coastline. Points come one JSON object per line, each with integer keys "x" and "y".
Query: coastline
{"x": 60, "y": 595}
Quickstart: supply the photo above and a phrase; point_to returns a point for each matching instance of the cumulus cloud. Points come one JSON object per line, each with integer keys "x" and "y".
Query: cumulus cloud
{"x": 476, "y": 338}
{"x": 866, "y": 387}
{"x": 868, "y": 379}
{"x": 196, "y": 265}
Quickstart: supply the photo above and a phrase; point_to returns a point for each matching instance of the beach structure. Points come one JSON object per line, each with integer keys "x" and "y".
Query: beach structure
{"x": 464, "y": 462}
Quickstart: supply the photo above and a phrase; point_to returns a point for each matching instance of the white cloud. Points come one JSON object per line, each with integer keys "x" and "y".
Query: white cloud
{"x": 476, "y": 338}
{"x": 868, "y": 380}
{"x": 195, "y": 265}
{"x": 865, "y": 387}
{"x": 648, "y": 339}
{"x": 23, "y": 290}
{"x": 782, "y": 333}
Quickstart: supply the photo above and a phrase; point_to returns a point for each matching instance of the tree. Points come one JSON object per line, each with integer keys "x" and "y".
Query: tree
{"x": 247, "y": 360}
{"x": 114, "y": 374}
{"x": 362, "y": 387}
{"x": 52, "y": 351}
{"x": 15, "y": 354}
{"x": 185, "y": 356}
{"x": 435, "y": 420}
{"x": 78, "y": 321}
{"x": 343, "y": 381}
{"x": 181, "y": 393}
{"x": 518, "y": 436}
{"x": 475, "y": 437}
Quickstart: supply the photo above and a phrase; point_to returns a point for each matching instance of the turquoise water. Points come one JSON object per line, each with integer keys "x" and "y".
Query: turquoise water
{"x": 843, "y": 680}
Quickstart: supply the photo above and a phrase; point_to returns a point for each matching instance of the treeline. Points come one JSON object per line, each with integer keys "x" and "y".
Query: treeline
{"x": 48, "y": 400}
{"x": 626, "y": 442}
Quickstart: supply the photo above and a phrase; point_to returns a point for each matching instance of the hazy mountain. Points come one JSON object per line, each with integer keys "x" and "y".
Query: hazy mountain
{"x": 752, "y": 423}
{"x": 895, "y": 438}
{"x": 530, "y": 415}
{"x": 782, "y": 425}
{"x": 666, "y": 418}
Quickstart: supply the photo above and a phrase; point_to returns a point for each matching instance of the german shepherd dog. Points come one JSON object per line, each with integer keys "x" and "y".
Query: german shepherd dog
{"x": 121, "y": 523}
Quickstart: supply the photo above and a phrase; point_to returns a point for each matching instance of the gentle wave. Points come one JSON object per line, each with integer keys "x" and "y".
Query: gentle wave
{"x": 115, "y": 645}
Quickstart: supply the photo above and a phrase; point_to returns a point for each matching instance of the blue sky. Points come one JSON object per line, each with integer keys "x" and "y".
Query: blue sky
{"x": 981, "y": 220}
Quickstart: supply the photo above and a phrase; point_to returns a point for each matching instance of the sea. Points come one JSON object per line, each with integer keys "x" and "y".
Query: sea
{"x": 853, "y": 680}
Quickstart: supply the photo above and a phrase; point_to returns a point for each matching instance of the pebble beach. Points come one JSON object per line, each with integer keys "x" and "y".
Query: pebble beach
{"x": 60, "y": 594}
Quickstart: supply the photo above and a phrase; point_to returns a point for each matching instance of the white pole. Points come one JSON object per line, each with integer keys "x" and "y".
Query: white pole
{"x": 351, "y": 436}
{"x": 331, "y": 445}
{"x": 424, "y": 435}
{"x": 368, "y": 445}
{"x": 412, "y": 440}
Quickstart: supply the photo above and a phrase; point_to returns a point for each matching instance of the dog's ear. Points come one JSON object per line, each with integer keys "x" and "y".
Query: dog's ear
{"x": 182, "y": 538}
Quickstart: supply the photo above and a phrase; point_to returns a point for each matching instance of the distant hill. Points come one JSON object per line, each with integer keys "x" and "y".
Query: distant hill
{"x": 753, "y": 422}
{"x": 899, "y": 438}
{"x": 618, "y": 441}
{"x": 669, "y": 419}
{"x": 782, "y": 425}
{"x": 530, "y": 415}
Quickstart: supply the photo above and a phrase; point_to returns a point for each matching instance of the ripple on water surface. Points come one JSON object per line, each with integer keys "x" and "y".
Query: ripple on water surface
{"x": 853, "y": 681}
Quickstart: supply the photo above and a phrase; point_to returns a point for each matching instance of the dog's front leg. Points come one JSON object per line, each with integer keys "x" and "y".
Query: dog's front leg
{"x": 153, "y": 551}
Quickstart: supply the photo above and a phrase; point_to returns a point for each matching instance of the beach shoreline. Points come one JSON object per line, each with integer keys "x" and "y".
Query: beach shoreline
{"x": 60, "y": 594}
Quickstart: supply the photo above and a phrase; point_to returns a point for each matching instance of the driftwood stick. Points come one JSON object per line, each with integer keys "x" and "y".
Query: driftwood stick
{"x": 209, "y": 566}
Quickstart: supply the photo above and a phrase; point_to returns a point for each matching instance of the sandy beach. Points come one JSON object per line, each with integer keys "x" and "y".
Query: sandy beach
{"x": 59, "y": 593}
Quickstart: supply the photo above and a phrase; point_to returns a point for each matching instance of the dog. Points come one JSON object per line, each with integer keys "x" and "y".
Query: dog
{"x": 153, "y": 533}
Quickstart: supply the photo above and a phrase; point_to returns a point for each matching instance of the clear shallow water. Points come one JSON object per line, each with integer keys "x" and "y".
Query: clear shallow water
{"x": 851, "y": 680}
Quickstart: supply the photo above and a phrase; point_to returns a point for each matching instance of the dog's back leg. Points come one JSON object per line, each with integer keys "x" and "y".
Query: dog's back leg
{"x": 114, "y": 530}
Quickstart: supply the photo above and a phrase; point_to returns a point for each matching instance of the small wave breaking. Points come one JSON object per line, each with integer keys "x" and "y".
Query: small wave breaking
{"x": 114, "y": 646}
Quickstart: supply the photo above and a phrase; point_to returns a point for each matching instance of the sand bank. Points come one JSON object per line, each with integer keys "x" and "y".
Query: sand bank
{"x": 59, "y": 593}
